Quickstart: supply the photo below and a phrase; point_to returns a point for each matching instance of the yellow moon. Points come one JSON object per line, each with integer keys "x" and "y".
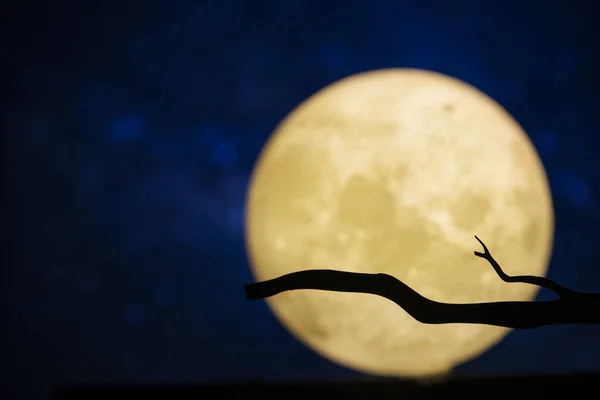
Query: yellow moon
{"x": 394, "y": 171}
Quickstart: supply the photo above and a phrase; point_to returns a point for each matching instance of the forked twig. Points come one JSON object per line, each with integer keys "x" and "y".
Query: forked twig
{"x": 560, "y": 290}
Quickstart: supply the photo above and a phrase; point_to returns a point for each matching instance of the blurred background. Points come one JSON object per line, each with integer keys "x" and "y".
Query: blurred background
{"x": 130, "y": 130}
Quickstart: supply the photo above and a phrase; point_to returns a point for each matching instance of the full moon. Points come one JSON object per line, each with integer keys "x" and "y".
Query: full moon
{"x": 395, "y": 171}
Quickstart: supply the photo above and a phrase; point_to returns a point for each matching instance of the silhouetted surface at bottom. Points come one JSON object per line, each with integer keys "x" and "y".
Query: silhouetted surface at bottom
{"x": 500, "y": 387}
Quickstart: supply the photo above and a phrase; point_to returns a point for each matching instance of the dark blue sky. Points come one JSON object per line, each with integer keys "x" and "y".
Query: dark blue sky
{"x": 133, "y": 127}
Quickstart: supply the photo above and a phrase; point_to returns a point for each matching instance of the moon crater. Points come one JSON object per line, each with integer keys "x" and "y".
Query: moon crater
{"x": 366, "y": 204}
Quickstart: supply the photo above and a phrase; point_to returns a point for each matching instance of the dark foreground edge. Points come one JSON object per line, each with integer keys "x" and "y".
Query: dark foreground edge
{"x": 480, "y": 388}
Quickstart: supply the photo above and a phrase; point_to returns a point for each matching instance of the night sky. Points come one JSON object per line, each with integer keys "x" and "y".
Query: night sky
{"x": 131, "y": 130}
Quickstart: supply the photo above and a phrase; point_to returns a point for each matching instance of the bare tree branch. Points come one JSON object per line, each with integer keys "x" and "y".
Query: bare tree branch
{"x": 560, "y": 290}
{"x": 571, "y": 308}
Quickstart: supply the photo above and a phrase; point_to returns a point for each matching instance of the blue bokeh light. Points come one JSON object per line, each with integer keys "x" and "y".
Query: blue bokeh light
{"x": 127, "y": 128}
{"x": 576, "y": 189}
{"x": 224, "y": 153}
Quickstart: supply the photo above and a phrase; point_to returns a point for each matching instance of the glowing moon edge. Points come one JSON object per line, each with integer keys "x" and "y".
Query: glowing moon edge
{"x": 320, "y": 197}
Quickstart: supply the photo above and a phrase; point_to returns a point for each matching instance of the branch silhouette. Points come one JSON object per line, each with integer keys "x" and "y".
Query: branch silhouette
{"x": 570, "y": 308}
